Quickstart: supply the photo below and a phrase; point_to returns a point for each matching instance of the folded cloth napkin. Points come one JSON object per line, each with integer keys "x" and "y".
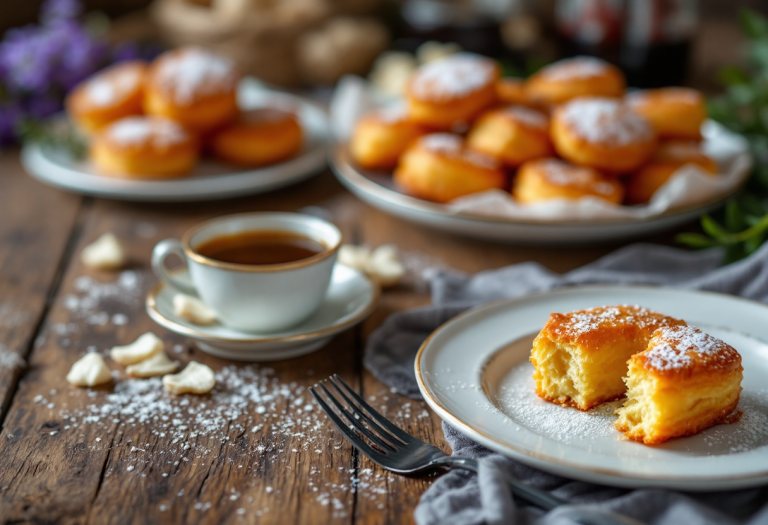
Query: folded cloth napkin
{"x": 462, "y": 498}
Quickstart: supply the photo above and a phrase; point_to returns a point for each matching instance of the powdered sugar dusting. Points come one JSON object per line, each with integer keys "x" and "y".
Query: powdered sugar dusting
{"x": 195, "y": 72}
{"x": 452, "y": 77}
{"x": 113, "y": 85}
{"x": 142, "y": 130}
{"x": 604, "y": 120}
{"x": 9, "y": 359}
{"x": 575, "y": 325}
{"x": 679, "y": 347}
{"x": 562, "y": 173}
{"x": 453, "y": 145}
{"x": 528, "y": 117}
{"x": 580, "y": 67}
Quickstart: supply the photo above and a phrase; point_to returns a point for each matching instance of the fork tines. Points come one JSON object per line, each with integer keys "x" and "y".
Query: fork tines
{"x": 384, "y": 436}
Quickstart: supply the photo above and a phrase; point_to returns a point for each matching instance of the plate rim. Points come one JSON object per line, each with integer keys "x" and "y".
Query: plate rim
{"x": 563, "y": 467}
{"x": 350, "y": 175}
{"x": 153, "y": 311}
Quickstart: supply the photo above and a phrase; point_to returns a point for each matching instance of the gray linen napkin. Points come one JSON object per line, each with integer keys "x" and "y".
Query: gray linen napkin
{"x": 461, "y": 498}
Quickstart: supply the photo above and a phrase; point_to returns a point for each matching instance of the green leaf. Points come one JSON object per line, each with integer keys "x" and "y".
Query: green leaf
{"x": 733, "y": 75}
{"x": 695, "y": 240}
{"x": 734, "y": 218}
{"x": 753, "y": 23}
{"x": 712, "y": 228}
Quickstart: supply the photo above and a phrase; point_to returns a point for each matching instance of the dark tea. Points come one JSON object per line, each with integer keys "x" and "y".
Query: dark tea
{"x": 260, "y": 247}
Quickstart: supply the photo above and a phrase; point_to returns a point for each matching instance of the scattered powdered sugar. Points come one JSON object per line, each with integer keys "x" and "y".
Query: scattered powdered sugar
{"x": 678, "y": 347}
{"x": 528, "y": 117}
{"x": 561, "y": 173}
{"x": 604, "y": 120}
{"x": 580, "y": 67}
{"x": 453, "y": 145}
{"x": 195, "y": 72}
{"x": 10, "y": 359}
{"x": 392, "y": 115}
{"x": 452, "y": 77}
{"x": 111, "y": 86}
{"x": 141, "y": 130}
{"x": 581, "y": 322}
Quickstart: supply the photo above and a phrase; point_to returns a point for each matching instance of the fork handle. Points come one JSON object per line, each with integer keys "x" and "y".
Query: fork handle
{"x": 584, "y": 514}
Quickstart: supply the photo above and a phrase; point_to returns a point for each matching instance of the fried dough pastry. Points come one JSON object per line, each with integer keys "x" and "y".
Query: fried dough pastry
{"x": 684, "y": 382}
{"x": 112, "y": 94}
{"x": 451, "y": 91}
{"x": 258, "y": 137}
{"x": 194, "y": 87}
{"x": 379, "y": 138}
{"x": 144, "y": 148}
{"x": 576, "y": 77}
{"x": 602, "y": 133}
{"x": 438, "y": 167}
{"x": 546, "y": 179}
{"x": 674, "y": 112}
{"x": 581, "y": 357}
{"x": 668, "y": 158}
{"x": 513, "y": 135}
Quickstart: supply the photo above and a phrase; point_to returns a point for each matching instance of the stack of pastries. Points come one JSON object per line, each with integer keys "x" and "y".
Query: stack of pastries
{"x": 677, "y": 379}
{"x": 155, "y": 120}
{"x": 569, "y": 131}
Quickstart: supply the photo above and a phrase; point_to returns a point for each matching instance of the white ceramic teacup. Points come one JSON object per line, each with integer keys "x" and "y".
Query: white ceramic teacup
{"x": 254, "y": 298}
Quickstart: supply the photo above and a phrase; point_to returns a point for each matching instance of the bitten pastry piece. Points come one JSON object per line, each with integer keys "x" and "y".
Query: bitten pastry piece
{"x": 110, "y": 95}
{"x": 580, "y": 358}
{"x": 513, "y": 135}
{"x": 194, "y": 87}
{"x": 439, "y": 168}
{"x": 675, "y": 112}
{"x": 258, "y": 137}
{"x": 668, "y": 158}
{"x": 381, "y": 137}
{"x": 575, "y": 77}
{"x": 545, "y": 179}
{"x": 144, "y": 147}
{"x": 684, "y": 382}
{"x": 452, "y": 90}
{"x": 602, "y": 133}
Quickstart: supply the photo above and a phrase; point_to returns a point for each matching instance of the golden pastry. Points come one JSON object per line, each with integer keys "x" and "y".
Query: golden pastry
{"x": 438, "y": 167}
{"x": 581, "y": 357}
{"x": 674, "y": 112}
{"x": 576, "y": 77}
{"x": 451, "y": 91}
{"x": 510, "y": 90}
{"x": 545, "y": 179}
{"x": 684, "y": 382}
{"x": 602, "y": 133}
{"x": 145, "y": 148}
{"x": 379, "y": 138}
{"x": 258, "y": 137}
{"x": 668, "y": 158}
{"x": 194, "y": 87}
{"x": 513, "y": 135}
{"x": 107, "y": 96}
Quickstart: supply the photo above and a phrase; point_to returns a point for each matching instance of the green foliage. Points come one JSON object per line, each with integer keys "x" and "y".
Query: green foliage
{"x": 742, "y": 226}
{"x": 53, "y": 136}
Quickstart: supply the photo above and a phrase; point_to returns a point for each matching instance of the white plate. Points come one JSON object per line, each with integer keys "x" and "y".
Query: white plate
{"x": 378, "y": 190}
{"x": 474, "y": 372}
{"x": 351, "y": 298}
{"x": 210, "y": 180}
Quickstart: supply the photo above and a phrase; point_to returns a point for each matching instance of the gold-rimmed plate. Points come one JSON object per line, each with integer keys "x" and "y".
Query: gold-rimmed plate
{"x": 474, "y": 372}
{"x": 351, "y": 298}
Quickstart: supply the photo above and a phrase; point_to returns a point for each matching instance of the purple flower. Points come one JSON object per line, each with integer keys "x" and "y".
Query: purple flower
{"x": 26, "y": 60}
{"x": 10, "y": 114}
{"x": 53, "y": 11}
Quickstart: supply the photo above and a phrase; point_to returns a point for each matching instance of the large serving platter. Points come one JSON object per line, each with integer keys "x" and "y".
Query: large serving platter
{"x": 210, "y": 180}
{"x": 474, "y": 372}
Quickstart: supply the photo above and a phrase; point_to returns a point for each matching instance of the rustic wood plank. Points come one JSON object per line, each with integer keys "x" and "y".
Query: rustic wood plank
{"x": 61, "y": 460}
{"x": 34, "y": 231}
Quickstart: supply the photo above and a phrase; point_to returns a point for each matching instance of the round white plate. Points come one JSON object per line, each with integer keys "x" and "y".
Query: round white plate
{"x": 378, "y": 190}
{"x": 351, "y": 298}
{"x": 209, "y": 180}
{"x": 474, "y": 372}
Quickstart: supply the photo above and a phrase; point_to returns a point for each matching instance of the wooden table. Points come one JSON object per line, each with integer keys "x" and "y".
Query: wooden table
{"x": 70, "y": 455}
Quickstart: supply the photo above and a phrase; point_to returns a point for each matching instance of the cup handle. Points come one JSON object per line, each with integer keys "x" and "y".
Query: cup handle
{"x": 162, "y": 250}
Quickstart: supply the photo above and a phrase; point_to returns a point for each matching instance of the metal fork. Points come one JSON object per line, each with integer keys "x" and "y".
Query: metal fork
{"x": 394, "y": 449}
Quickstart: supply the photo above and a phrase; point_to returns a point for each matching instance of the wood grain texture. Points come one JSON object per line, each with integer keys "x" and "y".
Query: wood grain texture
{"x": 36, "y": 223}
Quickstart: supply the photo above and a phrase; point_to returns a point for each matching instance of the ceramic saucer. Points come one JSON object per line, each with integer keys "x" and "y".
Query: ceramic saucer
{"x": 351, "y": 297}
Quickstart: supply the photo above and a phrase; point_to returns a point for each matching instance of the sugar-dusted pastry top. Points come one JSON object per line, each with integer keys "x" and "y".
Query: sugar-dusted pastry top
{"x": 189, "y": 73}
{"x": 454, "y": 77}
{"x": 686, "y": 350}
{"x": 146, "y": 131}
{"x": 452, "y": 146}
{"x": 528, "y": 117}
{"x": 594, "y": 327}
{"x": 604, "y": 121}
{"x": 575, "y": 68}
